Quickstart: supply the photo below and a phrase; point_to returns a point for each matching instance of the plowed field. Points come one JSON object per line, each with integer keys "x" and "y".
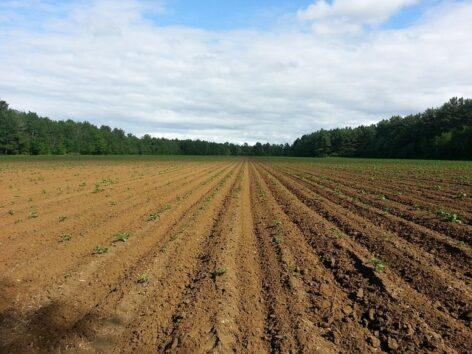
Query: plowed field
{"x": 235, "y": 255}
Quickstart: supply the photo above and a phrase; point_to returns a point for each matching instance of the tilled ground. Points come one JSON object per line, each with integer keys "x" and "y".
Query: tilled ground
{"x": 234, "y": 255}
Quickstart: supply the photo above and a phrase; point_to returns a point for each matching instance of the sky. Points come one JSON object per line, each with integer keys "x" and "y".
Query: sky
{"x": 238, "y": 71}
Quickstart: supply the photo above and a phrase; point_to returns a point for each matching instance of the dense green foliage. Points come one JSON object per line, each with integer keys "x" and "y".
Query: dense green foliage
{"x": 26, "y": 133}
{"x": 440, "y": 133}
{"x": 444, "y": 132}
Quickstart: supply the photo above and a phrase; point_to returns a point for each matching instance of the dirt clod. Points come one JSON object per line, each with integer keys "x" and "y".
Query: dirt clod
{"x": 374, "y": 341}
{"x": 371, "y": 314}
{"x": 392, "y": 343}
{"x": 347, "y": 310}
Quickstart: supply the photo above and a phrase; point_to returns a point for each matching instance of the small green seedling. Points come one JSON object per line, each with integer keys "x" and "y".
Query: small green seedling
{"x": 278, "y": 239}
{"x": 382, "y": 197}
{"x": 100, "y": 250}
{"x": 449, "y": 216}
{"x": 143, "y": 278}
{"x": 11, "y": 212}
{"x": 62, "y": 218}
{"x": 97, "y": 188}
{"x": 461, "y": 196}
{"x": 277, "y": 223}
{"x": 122, "y": 236}
{"x": 152, "y": 217}
{"x": 220, "y": 271}
{"x": 107, "y": 181}
{"x": 65, "y": 237}
{"x": 33, "y": 214}
{"x": 379, "y": 266}
{"x": 294, "y": 269}
{"x": 337, "y": 233}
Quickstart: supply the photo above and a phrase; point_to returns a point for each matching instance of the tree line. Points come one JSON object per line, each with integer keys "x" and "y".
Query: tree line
{"x": 437, "y": 133}
{"x": 444, "y": 132}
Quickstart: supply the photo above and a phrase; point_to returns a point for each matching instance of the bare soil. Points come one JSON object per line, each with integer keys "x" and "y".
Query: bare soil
{"x": 233, "y": 255}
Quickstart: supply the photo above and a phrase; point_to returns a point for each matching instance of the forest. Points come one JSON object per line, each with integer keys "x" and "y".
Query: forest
{"x": 437, "y": 133}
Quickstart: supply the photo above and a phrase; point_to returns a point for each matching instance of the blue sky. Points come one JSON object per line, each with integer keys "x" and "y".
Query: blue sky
{"x": 230, "y": 14}
{"x": 407, "y": 16}
{"x": 219, "y": 15}
{"x": 260, "y": 14}
{"x": 240, "y": 71}
{"x": 204, "y": 14}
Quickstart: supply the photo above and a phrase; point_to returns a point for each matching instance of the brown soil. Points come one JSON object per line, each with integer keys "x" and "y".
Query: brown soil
{"x": 231, "y": 255}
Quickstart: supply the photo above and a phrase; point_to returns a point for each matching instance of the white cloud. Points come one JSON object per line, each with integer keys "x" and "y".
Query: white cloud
{"x": 349, "y": 16}
{"x": 106, "y": 63}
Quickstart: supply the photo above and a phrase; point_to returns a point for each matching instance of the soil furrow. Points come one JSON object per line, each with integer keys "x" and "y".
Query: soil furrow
{"x": 48, "y": 237}
{"x": 454, "y": 255}
{"x": 353, "y": 270}
{"x": 324, "y": 304}
{"x": 420, "y": 274}
{"x": 177, "y": 283}
{"x": 400, "y": 204}
{"x": 244, "y": 255}
{"x": 62, "y": 310}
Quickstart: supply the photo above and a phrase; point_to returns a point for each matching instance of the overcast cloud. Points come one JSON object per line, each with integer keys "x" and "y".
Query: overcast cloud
{"x": 332, "y": 64}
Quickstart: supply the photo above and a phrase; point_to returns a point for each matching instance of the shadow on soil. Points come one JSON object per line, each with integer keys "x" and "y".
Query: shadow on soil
{"x": 38, "y": 330}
